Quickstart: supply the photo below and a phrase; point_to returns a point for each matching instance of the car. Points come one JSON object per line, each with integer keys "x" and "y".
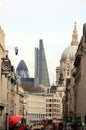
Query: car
{"x": 38, "y": 127}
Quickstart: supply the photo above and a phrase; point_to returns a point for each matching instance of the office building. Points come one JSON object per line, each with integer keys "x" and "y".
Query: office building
{"x": 23, "y": 73}
{"x": 41, "y": 70}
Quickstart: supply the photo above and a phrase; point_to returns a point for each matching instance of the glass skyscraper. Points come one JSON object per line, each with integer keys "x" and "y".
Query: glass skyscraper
{"x": 41, "y": 70}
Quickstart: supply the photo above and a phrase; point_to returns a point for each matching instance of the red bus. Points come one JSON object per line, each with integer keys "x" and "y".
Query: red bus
{"x": 16, "y": 123}
{"x": 57, "y": 125}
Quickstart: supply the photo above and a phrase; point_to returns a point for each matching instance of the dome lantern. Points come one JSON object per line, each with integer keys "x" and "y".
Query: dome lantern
{"x": 74, "y": 36}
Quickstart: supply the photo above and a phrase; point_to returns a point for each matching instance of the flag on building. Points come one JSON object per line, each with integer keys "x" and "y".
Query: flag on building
{"x": 16, "y": 50}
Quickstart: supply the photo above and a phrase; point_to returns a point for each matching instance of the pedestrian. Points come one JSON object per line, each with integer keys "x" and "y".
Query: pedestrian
{"x": 26, "y": 127}
{"x": 30, "y": 128}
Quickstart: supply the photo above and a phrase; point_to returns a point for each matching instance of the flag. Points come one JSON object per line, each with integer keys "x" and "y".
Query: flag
{"x": 16, "y": 50}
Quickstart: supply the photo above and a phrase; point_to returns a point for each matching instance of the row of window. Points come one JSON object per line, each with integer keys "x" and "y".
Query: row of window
{"x": 53, "y": 110}
{"x": 36, "y": 116}
{"x": 51, "y": 115}
{"x": 53, "y": 100}
{"x": 53, "y": 105}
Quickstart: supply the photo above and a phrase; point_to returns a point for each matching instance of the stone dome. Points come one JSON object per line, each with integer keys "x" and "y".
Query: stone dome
{"x": 69, "y": 53}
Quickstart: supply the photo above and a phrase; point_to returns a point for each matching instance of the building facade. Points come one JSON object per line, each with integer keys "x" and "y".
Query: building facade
{"x": 10, "y": 96}
{"x": 63, "y": 72}
{"x": 3, "y": 81}
{"x": 43, "y": 106}
{"x": 80, "y": 82}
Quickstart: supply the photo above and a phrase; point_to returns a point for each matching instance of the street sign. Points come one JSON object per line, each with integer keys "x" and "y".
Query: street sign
{"x": 5, "y": 66}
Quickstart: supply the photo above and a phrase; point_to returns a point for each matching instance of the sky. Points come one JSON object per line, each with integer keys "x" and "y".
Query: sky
{"x": 26, "y": 21}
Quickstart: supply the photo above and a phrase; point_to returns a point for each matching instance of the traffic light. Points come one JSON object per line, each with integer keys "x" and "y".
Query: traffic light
{"x": 69, "y": 119}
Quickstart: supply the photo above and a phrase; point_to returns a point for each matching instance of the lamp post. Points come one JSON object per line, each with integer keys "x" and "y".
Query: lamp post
{"x": 7, "y": 121}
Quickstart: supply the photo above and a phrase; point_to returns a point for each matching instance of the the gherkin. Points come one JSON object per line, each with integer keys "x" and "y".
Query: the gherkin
{"x": 22, "y": 70}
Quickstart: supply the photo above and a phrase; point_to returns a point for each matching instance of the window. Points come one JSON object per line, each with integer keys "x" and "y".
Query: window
{"x": 68, "y": 72}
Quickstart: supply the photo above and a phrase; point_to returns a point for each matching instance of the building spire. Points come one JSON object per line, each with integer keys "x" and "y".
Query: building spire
{"x": 74, "y": 36}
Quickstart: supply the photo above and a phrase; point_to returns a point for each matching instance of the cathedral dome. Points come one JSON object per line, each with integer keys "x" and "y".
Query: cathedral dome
{"x": 69, "y": 53}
